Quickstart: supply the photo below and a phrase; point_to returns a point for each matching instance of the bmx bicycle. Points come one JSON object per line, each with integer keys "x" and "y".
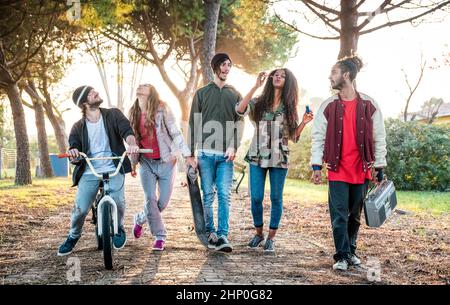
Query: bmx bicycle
{"x": 104, "y": 208}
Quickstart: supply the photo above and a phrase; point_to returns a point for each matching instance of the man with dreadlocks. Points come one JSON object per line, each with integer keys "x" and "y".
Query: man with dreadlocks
{"x": 100, "y": 130}
{"x": 348, "y": 135}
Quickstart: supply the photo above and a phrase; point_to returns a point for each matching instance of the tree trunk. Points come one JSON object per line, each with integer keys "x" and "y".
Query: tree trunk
{"x": 120, "y": 77}
{"x": 212, "y": 8}
{"x": 349, "y": 33}
{"x": 59, "y": 127}
{"x": 185, "y": 109}
{"x": 23, "y": 173}
{"x": 93, "y": 48}
{"x": 45, "y": 165}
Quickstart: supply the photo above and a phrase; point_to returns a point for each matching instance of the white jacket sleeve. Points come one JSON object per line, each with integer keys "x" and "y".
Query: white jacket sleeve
{"x": 379, "y": 137}
{"x": 318, "y": 133}
{"x": 175, "y": 133}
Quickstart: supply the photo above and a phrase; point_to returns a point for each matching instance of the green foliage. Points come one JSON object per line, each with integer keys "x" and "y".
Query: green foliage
{"x": 25, "y": 26}
{"x": 254, "y": 39}
{"x": 7, "y": 139}
{"x": 418, "y": 155}
{"x": 300, "y": 155}
{"x": 100, "y": 13}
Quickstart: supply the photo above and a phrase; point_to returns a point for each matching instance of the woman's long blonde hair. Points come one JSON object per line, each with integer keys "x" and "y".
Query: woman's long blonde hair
{"x": 153, "y": 103}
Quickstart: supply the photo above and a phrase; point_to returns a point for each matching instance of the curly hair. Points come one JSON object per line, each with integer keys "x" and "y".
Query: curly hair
{"x": 350, "y": 64}
{"x": 289, "y": 98}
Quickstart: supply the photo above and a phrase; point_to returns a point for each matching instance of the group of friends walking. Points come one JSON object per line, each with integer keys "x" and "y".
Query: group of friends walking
{"x": 348, "y": 137}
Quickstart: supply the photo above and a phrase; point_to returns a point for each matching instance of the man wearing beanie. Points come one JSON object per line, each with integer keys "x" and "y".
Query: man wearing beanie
{"x": 100, "y": 131}
{"x": 216, "y": 131}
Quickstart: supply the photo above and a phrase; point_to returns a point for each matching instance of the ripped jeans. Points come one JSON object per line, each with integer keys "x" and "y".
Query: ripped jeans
{"x": 87, "y": 191}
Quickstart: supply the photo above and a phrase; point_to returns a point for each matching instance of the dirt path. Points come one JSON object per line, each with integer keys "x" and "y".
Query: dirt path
{"x": 409, "y": 249}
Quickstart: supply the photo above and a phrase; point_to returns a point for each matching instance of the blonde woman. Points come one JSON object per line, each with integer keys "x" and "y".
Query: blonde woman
{"x": 154, "y": 126}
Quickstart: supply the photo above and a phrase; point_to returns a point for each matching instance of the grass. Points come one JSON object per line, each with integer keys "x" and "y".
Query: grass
{"x": 305, "y": 192}
{"x": 8, "y": 173}
{"x": 50, "y": 193}
{"x": 43, "y": 193}
{"x": 26, "y": 206}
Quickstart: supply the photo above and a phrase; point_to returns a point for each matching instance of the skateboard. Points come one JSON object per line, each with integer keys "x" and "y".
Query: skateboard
{"x": 197, "y": 205}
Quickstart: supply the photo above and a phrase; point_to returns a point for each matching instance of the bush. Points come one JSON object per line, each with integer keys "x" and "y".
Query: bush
{"x": 418, "y": 155}
{"x": 300, "y": 157}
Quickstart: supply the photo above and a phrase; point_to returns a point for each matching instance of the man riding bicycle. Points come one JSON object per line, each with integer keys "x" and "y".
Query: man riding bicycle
{"x": 101, "y": 131}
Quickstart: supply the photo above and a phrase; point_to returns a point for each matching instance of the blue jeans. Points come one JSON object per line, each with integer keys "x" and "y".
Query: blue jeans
{"x": 277, "y": 178}
{"x": 87, "y": 191}
{"x": 216, "y": 175}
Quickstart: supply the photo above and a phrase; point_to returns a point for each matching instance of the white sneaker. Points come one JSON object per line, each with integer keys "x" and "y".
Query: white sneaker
{"x": 341, "y": 265}
{"x": 355, "y": 260}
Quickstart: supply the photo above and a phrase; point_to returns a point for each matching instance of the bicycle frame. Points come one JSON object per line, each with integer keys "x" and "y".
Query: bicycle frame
{"x": 106, "y": 199}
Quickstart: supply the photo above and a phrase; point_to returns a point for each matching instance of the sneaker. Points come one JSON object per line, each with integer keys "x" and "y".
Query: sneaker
{"x": 137, "y": 229}
{"x": 158, "y": 245}
{"x": 223, "y": 245}
{"x": 120, "y": 239}
{"x": 341, "y": 265}
{"x": 255, "y": 242}
{"x": 67, "y": 247}
{"x": 212, "y": 240}
{"x": 354, "y": 260}
{"x": 268, "y": 246}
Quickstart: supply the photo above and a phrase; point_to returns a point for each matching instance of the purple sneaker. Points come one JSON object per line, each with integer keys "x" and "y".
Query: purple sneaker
{"x": 137, "y": 229}
{"x": 158, "y": 245}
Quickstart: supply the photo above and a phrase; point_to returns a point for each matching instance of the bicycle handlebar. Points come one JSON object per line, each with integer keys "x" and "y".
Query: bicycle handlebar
{"x": 89, "y": 159}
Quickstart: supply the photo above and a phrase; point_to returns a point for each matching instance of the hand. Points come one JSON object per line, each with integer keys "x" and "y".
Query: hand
{"x": 231, "y": 154}
{"x": 73, "y": 153}
{"x": 307, "y": 117}
{"x": 133, "y": 149}
{"x": 377, "y": 176}
{"x": 191, "y": 161}
{"x": 317, "y": 177}
{"x": 133, "y": 170}
{"x": 260, "y": 79}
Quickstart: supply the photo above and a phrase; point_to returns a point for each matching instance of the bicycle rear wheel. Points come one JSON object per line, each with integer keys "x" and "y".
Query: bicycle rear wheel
{"x": 107, "y": 236}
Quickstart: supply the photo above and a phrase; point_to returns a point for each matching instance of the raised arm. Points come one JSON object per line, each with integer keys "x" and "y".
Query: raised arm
{"x": 241, "y": 107}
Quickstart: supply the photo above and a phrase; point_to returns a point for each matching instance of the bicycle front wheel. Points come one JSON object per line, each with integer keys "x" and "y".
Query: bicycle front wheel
{"x": 108, "y": 234}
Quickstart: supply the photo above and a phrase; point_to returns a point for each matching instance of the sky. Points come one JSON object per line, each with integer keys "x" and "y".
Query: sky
{"x": 384, "y": 53}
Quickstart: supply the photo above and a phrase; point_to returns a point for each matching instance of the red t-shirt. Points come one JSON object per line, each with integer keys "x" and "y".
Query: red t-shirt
{"x": 147, "y": 141}
{"x": 350, "y": 166}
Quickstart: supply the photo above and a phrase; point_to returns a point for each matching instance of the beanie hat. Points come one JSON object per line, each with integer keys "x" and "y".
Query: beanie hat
{"x": 80, "y": 94}
{"x": 218, "y": 59}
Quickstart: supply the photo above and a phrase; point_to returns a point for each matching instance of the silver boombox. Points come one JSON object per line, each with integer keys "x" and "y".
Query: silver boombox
{"x": 380, "y": 203}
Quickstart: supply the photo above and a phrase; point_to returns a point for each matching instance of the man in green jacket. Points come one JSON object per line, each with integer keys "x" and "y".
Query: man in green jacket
{"x": 216, "y": 131}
